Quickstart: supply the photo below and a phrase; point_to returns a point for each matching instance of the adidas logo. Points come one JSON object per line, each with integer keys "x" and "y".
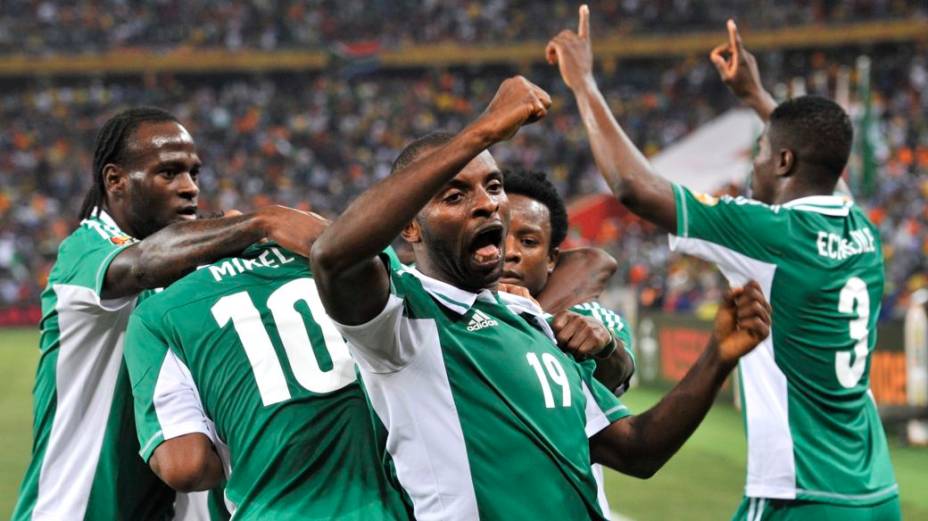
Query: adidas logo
{"x": 479, "y": 321}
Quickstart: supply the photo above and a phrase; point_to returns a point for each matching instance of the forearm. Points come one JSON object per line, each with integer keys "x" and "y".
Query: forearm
{"x": 378, "y": 215}
{"x": 580, "y": 275}
{"x": 188, "y": 463}
{"x": 650, "y": 439}
{"x": 616, "y": 370}
{"x": 624, "y": 167}
{"x": 178, "y": 249}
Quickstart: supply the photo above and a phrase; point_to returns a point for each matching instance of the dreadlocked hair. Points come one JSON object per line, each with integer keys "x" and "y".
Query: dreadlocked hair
{"x": 110, "y": 148}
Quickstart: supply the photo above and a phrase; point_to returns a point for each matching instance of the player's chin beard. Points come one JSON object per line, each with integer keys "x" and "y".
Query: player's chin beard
{"x": 452, "y": 264}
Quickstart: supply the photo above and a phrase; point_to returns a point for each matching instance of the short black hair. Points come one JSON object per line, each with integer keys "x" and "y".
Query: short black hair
{"x": 535, "y": 185}
{"x": 818, "y": 129}
{"x": 419, "y": 146}
{"x": 110, "y": 147}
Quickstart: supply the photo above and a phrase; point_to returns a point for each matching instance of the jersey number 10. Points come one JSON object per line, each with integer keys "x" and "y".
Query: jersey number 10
{"x": 269, "y": 375}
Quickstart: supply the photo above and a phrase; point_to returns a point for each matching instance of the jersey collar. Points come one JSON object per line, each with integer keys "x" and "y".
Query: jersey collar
{"x": 832, "y": 205}
{"x": 460, "y": 300}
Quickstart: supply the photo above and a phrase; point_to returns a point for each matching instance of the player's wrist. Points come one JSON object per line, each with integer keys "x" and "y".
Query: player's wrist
{"x": 586, "y": 86}
{"x": 608, "y": 349}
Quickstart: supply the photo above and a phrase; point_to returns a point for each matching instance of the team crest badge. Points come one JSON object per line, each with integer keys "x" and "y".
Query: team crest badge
{"x": 707, "y": 199}
{"x": 119, "y": 240}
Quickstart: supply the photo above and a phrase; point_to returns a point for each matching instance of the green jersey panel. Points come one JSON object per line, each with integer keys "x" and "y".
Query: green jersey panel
{"x": 242, "y": 351}
{"x": 485, "y": 416}
{"x": 812, "y": 425}
{"x": 84, "y": 463}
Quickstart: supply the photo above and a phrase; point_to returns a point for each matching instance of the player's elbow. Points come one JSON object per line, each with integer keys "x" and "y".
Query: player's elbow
{"x": 324, "y": 257}
{"x": 186, "y": 468}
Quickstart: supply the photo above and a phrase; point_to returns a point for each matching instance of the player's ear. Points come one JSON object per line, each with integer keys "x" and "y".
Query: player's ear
{"x": 785, "y": 162}
{"x": 114, "y": 179}
{"x": 412, "y": 233}
{"x": 553, "y": 255}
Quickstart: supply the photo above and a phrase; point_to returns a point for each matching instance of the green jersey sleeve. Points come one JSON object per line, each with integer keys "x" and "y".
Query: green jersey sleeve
{"x": 167, "y": 403}
{"x": 739, "y": 225}
{"x": 88, "y": 254}
{"x": 602, "y": 406}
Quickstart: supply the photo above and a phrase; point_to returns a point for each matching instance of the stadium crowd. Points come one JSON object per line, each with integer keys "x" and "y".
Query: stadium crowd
{"x": 95, "y": 26}
{"x": 315, "y": 141}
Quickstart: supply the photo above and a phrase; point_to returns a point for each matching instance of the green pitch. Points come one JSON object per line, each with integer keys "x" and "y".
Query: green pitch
{"x": 703, "y": 481}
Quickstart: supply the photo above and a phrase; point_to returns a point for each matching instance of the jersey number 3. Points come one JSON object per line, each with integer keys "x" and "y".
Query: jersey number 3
{"x": 291, "y": 328}
{"x": 854, "y": 298}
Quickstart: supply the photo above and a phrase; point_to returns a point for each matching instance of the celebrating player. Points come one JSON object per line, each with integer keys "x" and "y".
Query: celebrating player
{"x": 464, "y": 378}
{"x": 816, "y": 448}
{"x": 240, "y": 356}
{"x": 537, "y": 227}
{"x": 84, "y": 462}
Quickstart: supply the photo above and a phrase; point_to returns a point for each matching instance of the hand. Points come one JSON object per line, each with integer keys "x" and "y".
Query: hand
{"x": 582, "y": 336}
{"x": 517, "y": 290}
{"x": 573, "y": 52}
{"x": 293, "y": 229}
{"x": 739, "y": 69}
{"x": 742, "y": 322}
{"x": 517, "y": 102}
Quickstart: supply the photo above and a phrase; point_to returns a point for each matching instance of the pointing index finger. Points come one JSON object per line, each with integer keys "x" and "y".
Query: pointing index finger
{"x": 583, "y": 29}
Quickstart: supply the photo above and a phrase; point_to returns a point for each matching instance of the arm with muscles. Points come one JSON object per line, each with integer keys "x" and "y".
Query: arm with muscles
{"x": 346, "y": 255}
{"x": 640, "y": 445}
{"x": 172, "y": 252}
{"x": 175, "y": 435}
{"x": 623, "y": 166}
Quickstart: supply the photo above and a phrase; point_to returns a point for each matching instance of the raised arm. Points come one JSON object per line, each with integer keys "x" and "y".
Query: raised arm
{"x": 640, "y": 445}
{"x": 172, "y": 252}
{"x": 344, "y": 259}
{"x": 624, "y": 167}
{"x": 738, "y": 69}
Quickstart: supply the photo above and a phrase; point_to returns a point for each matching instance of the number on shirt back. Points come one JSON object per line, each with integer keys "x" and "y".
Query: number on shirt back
{"x": 552, "y": 366}
{"x": 854, "y": 299}
{"x": 291, "y": 328}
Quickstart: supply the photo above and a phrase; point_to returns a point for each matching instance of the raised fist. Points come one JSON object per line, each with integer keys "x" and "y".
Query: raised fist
{"x": 742, "y": 322}
{"x": 517, "y": 102}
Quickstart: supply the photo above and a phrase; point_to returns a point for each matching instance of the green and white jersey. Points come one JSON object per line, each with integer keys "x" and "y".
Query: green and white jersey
{"x": 485, "y": 416}
{"x": 620, "y": 330}
{"x": 813, "y": 430}
{"x": 616, "y": 326}
{"x": 243, "y": 352}
{"x": 84, "y": 455}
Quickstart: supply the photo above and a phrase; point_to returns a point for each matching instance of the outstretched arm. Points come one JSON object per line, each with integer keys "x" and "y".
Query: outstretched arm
{"x": 624, "y": 167}
{"x": 345, "y": 256}
{"x": 738, "y": 69}
{"x": 172, "y": 252}
{"x": 640, "y": 445}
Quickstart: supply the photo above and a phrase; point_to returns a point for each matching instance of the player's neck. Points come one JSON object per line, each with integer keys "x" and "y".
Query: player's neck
{"x": 121, "y": 218}
{"x": 796, "y": 189}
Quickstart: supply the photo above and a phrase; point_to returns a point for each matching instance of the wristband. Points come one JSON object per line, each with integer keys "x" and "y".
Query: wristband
{"x": 608, "y": 349}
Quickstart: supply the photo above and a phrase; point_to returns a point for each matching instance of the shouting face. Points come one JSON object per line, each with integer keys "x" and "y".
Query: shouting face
{"x": 458, "y": 236}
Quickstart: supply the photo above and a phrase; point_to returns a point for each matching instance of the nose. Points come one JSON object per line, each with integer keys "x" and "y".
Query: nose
{"x": 513, "y": 255}
{"x": 485, "y": 203}
{"x": 187, "y": 186}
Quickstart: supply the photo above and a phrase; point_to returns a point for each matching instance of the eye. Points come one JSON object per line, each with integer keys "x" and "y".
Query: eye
{"x": 454, "y": 197}
{"x": 495, "y": 187}
{"x": 528, "y": 241}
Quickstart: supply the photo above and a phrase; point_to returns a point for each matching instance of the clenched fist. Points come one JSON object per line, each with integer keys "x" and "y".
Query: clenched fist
{"x": 582, "y": 336}
{"x": 742, "y": 322}
{"x": 517, "y": 102}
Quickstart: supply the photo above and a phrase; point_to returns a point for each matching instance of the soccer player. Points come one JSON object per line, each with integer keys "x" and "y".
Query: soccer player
{"x": 84, "y": 458}
{"x": 816, "y": 448}
{"x": 464, "y": 378}
{"x": 537, "y": 227}
{"x": 240, "y": 356}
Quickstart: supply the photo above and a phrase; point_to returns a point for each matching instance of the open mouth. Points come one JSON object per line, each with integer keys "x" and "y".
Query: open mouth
{"x": 188, "y": 212}
{"x": 486, "y": 247}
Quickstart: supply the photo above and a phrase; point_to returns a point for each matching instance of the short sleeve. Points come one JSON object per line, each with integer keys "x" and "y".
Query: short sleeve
{"x": 742, "y": 236}
{"x": 602, "y": 406}
{"x": 88, "y": 255}
{"x": 388, "y": 342}
{"x": 166, "y": 401}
